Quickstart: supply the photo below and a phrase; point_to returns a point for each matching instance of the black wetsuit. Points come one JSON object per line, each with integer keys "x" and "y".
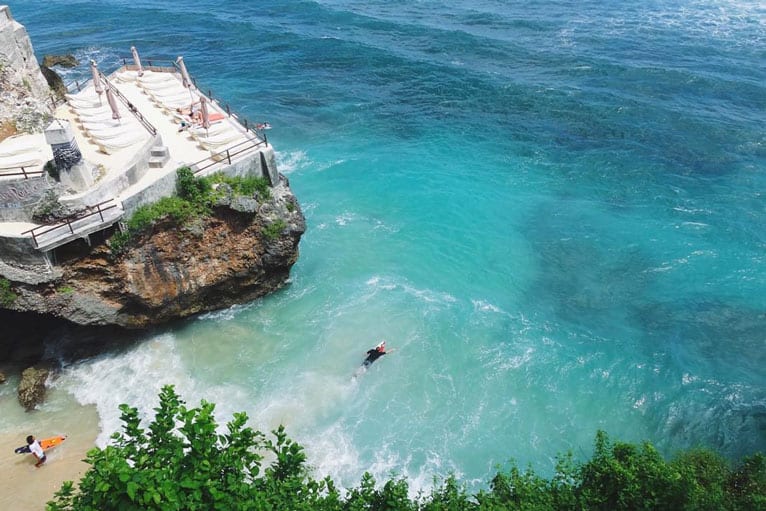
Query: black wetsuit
{"x": 372, "y": 356}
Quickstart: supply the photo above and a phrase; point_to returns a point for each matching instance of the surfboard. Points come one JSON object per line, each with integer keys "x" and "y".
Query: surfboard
{"x": 45, "y": 443}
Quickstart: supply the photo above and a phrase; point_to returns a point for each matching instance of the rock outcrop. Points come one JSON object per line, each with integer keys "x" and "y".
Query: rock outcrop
{"x": 68, "y": 60}
{"x": 32, "y": 387}
{"x": 231, "y": 257}
{"x": 3, "y": 378}
{"x": 24, "y": 92}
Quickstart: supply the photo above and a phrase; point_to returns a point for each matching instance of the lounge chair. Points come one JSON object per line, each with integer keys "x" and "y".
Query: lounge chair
{"x": 19, "y": 144}
{"x": 113, "y": 145}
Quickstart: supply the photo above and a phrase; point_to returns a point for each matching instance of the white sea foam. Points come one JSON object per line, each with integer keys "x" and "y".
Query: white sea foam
{"x": 135, "y": 378}
{"x": 292, "y": 161}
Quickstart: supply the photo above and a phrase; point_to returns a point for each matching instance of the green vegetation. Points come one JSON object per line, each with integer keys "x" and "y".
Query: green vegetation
{"x": 246, "y": 186}
{"x": 194, "y": 198}
{"x": 7, "y": 296}
{"x": 180, "y": 462}
{"x": 273, "y": 230}
{"x": 65, "y": 289}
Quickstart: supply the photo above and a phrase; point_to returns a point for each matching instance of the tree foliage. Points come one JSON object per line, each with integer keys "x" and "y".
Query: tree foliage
{"x": 181, "y": 462}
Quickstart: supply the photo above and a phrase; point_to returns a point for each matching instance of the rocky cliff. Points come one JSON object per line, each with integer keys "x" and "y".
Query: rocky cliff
{"x": 172, "y": 272}
{"x": 24, "y": 93}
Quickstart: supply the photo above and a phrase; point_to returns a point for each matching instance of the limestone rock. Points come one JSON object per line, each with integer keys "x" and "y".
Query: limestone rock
{"x": 60, "y": 60}
{"x": 32, "y": 387}
{"x": 170, "y": 273}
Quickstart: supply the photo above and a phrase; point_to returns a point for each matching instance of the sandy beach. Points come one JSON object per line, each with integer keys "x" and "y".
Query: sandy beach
{"x": 26, "y": 488}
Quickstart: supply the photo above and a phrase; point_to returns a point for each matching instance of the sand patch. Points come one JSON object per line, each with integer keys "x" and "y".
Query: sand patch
{"x": 26, "y": 488}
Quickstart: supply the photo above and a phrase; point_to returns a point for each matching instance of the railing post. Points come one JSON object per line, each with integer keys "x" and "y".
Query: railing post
{"x": 24, "y": 172}
{"x": 228, "y": 110}
{"x": 228, "y": 156}
{"x": 34, "y": 238}
{"x": 99, "y": 212}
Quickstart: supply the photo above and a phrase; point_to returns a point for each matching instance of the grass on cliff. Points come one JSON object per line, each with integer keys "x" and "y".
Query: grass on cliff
{"x": 7, "y": 297}
{"x": 194, "y": 199}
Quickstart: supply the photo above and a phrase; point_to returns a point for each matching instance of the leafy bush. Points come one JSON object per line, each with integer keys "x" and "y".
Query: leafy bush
{"x": 7, "y": 296}
{"x": 180, "y": 462}
{"x": 273, "y": 230}
{"x": 196, "y": 191}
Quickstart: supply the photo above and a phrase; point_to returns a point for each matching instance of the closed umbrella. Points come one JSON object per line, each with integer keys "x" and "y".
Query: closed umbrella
{"x": 96, "y": 78}
{"x": 137, "y": 60}
{"x": 184, "y": 73}
{"x": 112, "y": 103}
{"x": 205, "y": 114}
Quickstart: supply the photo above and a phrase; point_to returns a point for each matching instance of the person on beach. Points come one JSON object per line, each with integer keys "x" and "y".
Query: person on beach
{"x": 36, "y": 449}
{"x": 374, "y": 354}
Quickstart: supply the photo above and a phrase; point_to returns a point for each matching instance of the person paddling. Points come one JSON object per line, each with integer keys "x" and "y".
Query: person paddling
{"x": 374, "y": 354}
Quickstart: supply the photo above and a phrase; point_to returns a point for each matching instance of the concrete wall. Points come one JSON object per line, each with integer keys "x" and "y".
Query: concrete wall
{"x": 19, "y": 198}
{"x": 112, "y": 186}
{"x": 21, "y": 251}
{"x": 163, "y": 187}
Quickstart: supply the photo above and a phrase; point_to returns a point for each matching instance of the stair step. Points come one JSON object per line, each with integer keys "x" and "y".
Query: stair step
{"x": 159, "y": 150}
{"x": 157, "y": 162}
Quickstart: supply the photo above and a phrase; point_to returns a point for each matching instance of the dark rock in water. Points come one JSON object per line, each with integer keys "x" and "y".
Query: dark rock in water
{"x": 54, "y": 81}
{"x": 60, "y": 60}
{"x": 32, "y": 387}
{"x": 2, "y": 378}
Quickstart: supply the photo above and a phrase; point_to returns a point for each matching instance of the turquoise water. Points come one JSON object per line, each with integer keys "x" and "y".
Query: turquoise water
{"x": 554, "y": 212}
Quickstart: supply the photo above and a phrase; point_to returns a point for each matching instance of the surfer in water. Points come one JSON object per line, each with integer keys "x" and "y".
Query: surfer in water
{"x": 374, "y": 354}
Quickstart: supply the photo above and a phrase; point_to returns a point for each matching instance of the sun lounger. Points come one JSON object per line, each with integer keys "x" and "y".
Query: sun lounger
{"x": 216, "y": 128}
{"x": 126, "y": 76}
{"x": 221, "y": 139}
{"x": 19, "y": 144}
{"x": 93, "y": 113}
{"x": 113, "y": 145}
{"x": 114, "y": 132}
{"x": 108, "y": 123}
{"x": 34, "y": 159}
{"x": 157, "y": 76}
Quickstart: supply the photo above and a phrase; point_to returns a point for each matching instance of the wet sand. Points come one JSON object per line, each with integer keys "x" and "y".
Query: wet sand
{"x": 26, "y": 488}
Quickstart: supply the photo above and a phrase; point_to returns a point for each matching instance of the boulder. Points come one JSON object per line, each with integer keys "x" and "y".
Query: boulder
{"x": 60, "y": 60}
{"x": 54, "y": 81}
{"x": 32, "y": 387}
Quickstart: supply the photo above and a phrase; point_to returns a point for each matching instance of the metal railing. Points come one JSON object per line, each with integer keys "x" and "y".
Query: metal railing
{"x": 146, "y": 124}
{"x": 225, "y": 156}
{"x": 252, "y": 128}
{"x": 45, "y": 229}
{"x": 28, "y": 174}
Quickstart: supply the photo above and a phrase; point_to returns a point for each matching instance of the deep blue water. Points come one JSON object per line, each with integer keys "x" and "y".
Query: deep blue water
{"x": 553, "y": 211}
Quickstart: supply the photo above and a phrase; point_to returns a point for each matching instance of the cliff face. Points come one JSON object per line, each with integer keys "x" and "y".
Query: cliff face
{"x": 24, "y": 92}
{"x": 174, "y": 272}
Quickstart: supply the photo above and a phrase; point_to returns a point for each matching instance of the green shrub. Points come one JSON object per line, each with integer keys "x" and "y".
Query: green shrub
{"x": 7, "y": 296}
{"x": 65, "y": 289}
{"x": 246, "y": 186}
{"x": 194, "y": 190}
{"x": 179, "y": 461}
{"x": 273, "y": 230}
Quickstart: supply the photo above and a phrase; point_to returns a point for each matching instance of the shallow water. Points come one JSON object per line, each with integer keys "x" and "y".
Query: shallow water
{"x": 554, "y": 213}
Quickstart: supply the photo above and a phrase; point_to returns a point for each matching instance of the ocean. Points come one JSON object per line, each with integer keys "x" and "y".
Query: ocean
{"x": 554, "y": 212}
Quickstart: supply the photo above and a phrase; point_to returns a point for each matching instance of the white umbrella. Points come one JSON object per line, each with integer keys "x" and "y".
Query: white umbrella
{"x": 137, "y": 60}
{"x": 96, "y": 78}
{"x": 112, "y": 103}
{"x": 205, "y": 114}
{"x": 184, "y": 73}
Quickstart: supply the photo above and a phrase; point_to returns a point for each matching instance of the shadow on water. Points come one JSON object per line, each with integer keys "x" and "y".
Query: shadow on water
{"x": 713, "y": 354}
